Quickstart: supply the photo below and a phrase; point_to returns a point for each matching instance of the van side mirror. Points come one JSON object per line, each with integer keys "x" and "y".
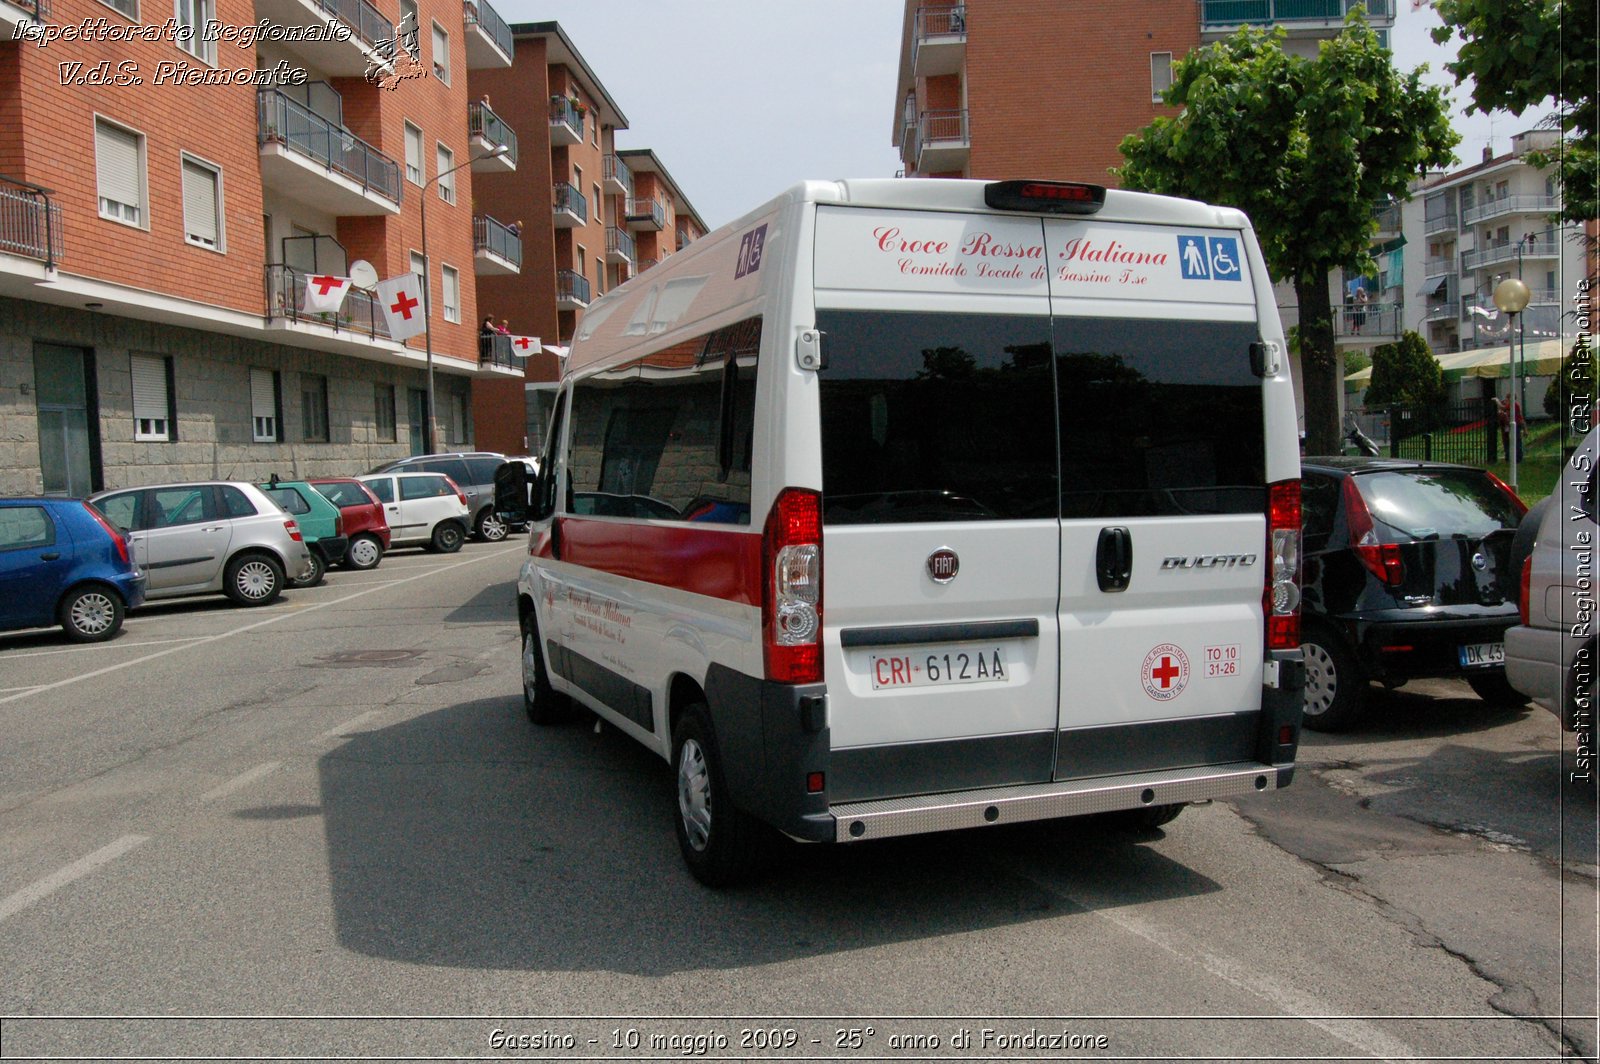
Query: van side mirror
{"x": 542, "y": 492}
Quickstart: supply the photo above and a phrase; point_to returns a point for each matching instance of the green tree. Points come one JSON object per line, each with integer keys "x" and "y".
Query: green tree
{"x": 1573, "y": 388}
{"x": 1406, "y": 372}
{"x": 1519, "y": 54}
{"x": 1306, "y": 148}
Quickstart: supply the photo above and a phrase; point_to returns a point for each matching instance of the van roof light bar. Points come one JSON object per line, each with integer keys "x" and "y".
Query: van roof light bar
{"x": 1049, "y": 197}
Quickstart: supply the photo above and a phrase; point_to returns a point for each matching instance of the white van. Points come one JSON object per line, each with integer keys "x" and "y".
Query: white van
{"x": 903, "y": 506}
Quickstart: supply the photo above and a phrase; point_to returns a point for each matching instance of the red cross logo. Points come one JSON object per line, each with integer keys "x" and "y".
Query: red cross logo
{"x": 403, "y": 306}
{"x": 326, "y": 284}
{"x": 522, "y": 342}
{"x": 1166, "y": 673}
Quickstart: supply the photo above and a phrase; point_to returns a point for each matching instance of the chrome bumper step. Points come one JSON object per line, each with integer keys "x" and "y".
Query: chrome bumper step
{"x": 888, "y": 817}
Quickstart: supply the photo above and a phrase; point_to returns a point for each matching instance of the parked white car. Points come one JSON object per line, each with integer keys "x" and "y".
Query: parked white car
{"x": 1550, "y": 656}
{"x": 197, "y": 538}
{"x": 426, "y": 509}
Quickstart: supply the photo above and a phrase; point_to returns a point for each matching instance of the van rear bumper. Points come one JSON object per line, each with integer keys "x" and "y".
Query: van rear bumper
{"x": 919, "y": 814}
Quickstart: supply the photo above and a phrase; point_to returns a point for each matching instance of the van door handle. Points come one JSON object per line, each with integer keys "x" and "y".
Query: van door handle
{"x": 1113, "y": 559}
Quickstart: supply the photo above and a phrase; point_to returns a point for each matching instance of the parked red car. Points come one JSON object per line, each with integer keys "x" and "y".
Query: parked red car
{"x": 364, "y": 522}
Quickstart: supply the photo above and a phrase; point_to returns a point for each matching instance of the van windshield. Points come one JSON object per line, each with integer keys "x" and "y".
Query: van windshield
{"x": 961, "y": 417}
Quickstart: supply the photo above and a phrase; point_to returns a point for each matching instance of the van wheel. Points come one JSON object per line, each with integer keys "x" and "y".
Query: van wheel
{"x": 1336, "y": 692}
{"x": 447, "y": 537}
{"x": 91, "y": 614}
{"x": 491, "y": 529}
{"x": 1496, "y": 690}
{"x": 718, "y": 840}
{"x": 365, "y": 552}
{"x": 253, "y": 579}
{"x": 543, "y": 703}
{"x": 1149, "y": 817}
{"x": 314, "y": 573}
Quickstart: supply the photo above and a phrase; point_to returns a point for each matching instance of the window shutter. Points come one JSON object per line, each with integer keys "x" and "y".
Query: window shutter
{"x": 200, "y": 203}
{"x": 149, "y": 387}
{"x": 116, "y": 160}
{"x": 263, "y": 396}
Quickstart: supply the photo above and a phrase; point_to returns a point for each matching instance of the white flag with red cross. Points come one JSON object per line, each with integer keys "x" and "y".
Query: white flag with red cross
{"x": 400, "y": 299}
{"x": 325, "y": 293}
{"x": 523, "y": 346}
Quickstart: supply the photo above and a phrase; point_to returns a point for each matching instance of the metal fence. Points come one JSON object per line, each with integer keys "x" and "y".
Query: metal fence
{"x": 370, "y": 27}
{"x": 1465, "y": 431}
{"x": 497, "y": 238}
{"x": 286, "y": 295}
{"x": 30, "y": 225}
{"x": 482, "y": 122}
{"x": 289, "y": 122}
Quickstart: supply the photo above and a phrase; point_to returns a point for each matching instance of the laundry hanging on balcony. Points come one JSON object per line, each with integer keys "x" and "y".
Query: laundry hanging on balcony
{"x": 325, "y": 293}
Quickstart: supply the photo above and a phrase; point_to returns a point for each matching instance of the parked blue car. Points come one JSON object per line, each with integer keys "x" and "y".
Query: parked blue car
{"x": 61, "y": 562}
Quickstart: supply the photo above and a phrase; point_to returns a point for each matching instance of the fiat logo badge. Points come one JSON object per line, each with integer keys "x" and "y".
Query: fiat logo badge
{"x": 943, "y": 564}
{"x": 1479, "y": 562}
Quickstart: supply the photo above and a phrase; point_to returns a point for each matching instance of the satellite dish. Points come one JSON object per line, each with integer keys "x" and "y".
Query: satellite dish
{"x": 362, "y": 275}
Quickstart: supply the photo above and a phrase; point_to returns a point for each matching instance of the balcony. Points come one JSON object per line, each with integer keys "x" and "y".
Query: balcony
{"x": 566, "y": 122}
{"x": 1368, "y": 321}
{"x": 1225, "y": 16}
{"x": 489, "y": 42}
{"x": 320, "y": 164}
{"x": 572, "y": 290}
{"x": 286, "y": 295}
{"x": 571, "y": 209}
{"x": 488, "y": 132}
{"x": 1448, "y": 310}
{"x": 1531, "y": 249}
{"x": 1542, "y": 205}
{"x": 30, "y": 225}
{"x": 1440, "y": 223}
{"x": 686, "y": 237}
{"x": 496, "y": 247}
{"x": 15, "y": 13}
{"x": 1444, "y": 266}
{"x": 372, "y": 37}
{"x": 645, "y": 213}
{"x": 496, "y": 351}
{"x": 1388, "y": 217}
{"x": 939, "y": 36}
{"x": 619, "y": 246}
{"x": 617, "y": 177}
{"x": 943, "y": 142}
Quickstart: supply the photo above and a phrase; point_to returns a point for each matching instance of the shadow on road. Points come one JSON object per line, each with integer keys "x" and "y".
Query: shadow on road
{"x": 468, "y": 838}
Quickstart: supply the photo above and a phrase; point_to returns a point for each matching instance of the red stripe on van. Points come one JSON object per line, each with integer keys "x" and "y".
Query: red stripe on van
{"x": 718, "y": 562}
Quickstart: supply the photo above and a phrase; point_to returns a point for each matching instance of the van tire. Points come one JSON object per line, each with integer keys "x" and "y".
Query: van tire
{"x": 543, "y": 703}
{"x": 253, "y": 579}
{"x": 718, "y": 840}
{"x": 1336, "y": 690}
{"x": 447, "y": 537}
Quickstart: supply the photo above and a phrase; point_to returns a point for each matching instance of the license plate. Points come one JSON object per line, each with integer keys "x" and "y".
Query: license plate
{"x": 1474, "y": 654}
{"x": 939, "y": 667}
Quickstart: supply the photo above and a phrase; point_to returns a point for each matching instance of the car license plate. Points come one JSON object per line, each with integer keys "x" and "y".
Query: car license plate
{"x": 939, "y": 667}
{"x": 1476, "y": 654}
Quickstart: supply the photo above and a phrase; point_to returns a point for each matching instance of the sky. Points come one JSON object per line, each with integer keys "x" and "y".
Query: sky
{"x": 742, "y": 98}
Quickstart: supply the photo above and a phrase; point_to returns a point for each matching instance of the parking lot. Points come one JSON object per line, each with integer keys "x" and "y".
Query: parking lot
{"x": 333, "y": 806}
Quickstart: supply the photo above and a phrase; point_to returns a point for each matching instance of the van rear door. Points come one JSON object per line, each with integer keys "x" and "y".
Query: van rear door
{"x": 1163, "y": 497}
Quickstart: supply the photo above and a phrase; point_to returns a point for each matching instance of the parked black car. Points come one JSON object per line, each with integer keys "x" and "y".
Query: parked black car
{"x": 1407, "y": 571}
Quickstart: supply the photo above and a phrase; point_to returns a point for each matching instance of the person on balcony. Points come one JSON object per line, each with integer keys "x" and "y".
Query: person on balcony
{"x": 486, "y": 334}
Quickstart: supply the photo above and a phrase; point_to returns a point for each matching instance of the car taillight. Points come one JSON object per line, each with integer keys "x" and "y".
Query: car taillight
{"x": 294, "y": 530}
{"x": 1516, "y": 500}
{"x": 791, "y": 579}
{"x": 1281, "y": 600}
{"x": 1382, "y": 560}
{"x": 117, "y": 537}
{"x": 1522, "y": 590}
{"x": 338, "y": 523}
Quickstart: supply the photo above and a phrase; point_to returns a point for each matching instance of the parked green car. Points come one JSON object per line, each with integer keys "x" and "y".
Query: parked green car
{"x": 320, "y": 523}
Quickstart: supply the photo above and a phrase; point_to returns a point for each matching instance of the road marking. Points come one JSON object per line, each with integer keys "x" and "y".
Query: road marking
{"x": 97, "y": 648}
{"x": 53, "y": 882}
{"x": 3, "y": 690}
{"x": 350, "y": 725}
{"x": 241, "y": 781}
{"x": 203, "y": 640}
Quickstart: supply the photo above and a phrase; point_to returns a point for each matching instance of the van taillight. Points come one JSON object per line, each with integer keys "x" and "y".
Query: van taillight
{"x": 293, "y": 530}
{"x": 791, "y": 580}
{"x": 116, "y": 537}
{"x": 1522, "y": 591}
{"x": 1281, "y": 600}
{"x": 1382, "y": 560}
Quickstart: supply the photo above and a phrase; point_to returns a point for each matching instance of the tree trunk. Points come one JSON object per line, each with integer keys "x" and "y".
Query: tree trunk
{"x": 1319, "y": 365}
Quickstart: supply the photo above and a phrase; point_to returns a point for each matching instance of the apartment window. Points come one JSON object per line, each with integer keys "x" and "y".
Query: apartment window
{"x": 599, "y": 279}
{"x": 450, "y": 282}
{"x": 419, "y": 270}
{"x": 129, "y": 8}
{"x": 408, "y": 28}
{"x": 314, "y": 407}
{"x": 152, "y": 397}
{"x": 264, "y": 406}
{"x": 583, "y": 260}
{"x": 1502, "y": 236}
{"x": 599, "y": 204}
{"x": 447, "y": 185}
{"x": 202, "y": 204}
{"x": 119, "y": 172}
{"x": 413, "y": 154}
{"x": 383, "y": 412}
{"x": 192, "y": 16}
{"x": 1160, "y": 74}
{"x": 441, "y": 54}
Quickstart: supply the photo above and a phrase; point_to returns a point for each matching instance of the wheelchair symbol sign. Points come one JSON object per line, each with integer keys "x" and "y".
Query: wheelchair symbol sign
{"x": 1202, "y": 258}
{"x": 1224, "y": 258}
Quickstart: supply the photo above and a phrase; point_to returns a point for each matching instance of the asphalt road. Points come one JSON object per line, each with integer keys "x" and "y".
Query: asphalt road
{"x": 325, "y": 828}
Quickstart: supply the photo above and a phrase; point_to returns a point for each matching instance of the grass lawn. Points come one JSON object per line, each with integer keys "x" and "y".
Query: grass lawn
{"x": 1537, "y": 471}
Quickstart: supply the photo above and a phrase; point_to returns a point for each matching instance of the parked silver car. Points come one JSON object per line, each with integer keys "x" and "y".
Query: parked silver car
{"x": 209, "y": 536}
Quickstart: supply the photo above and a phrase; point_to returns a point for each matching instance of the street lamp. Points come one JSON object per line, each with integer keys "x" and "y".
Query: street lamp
{"x": 427, "y": 284}
{"x": 1512, "y": 296}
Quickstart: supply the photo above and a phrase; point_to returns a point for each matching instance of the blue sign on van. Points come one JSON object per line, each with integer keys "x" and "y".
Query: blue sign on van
{"x": 1214, "y": 258}
{"x": 1192, "y": 258}
{"x": 750, "y": 249}
{"x": 1225, "y": 259}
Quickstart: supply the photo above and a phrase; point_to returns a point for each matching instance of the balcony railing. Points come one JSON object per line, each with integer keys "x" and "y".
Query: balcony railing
{"x": 1388, "y": 216}
{"x": 617, "y": 175}
{"x": 286, "y": 294}
{"x": 1215, "y": 13}
{"x": 39, "y": 9}
{"x": 290, "y": 123}
{"x": 647, "y": 211}
{"x": 482, "y": 122}
{"x": 1531, "y": 249}
{"x": 938, "y": 126}
{"x": 1444, "y": 266}
{"x": 566, "y": 124}
{"x": 1512, "y": 205}
{"x": 939, "y": 39}
{"x": 1439, "y": 223}
{"x": 368, "y": 23}
{"x": 569, "y": 198}
{"x": 685, "y": 238}
{"x": 1367, "y": 319}
{"x": 497, "y": 239}
{"x": 479, "y": 13}
{"x": 496, "y": 350}
{"x": 619, "y": 244}
{"x": 572, "y": 287}
{"x": 1441, "y": 311}
{"x": 30, "y": 225}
